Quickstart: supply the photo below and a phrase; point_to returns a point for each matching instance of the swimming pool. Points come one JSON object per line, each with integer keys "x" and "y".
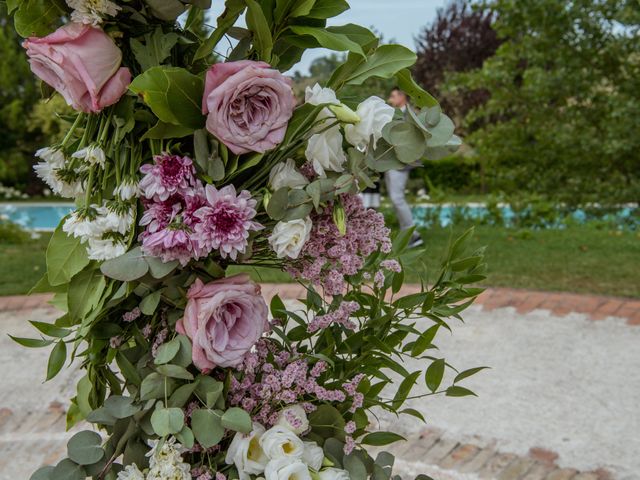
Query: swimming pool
{"x": 35, "y": 216}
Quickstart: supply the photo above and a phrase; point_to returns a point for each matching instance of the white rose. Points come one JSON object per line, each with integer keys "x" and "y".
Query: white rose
{"x": 313, "y": 455}
{"x": 317, "y": 95}
{"x": 284, "y": 174}
{"x": 279, "y": 442}
{"x": 374, "y": 114}
{"x": 288, "y": 239}
{"x": 333, "y": 474}
{"x": 286, "y": 469}
{"x": 246, "y": 453}
{"x": 294, "y": 417}
{"x": 324, "y": 150}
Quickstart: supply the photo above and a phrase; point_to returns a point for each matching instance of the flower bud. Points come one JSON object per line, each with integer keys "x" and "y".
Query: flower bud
{"x": 344, "y": 113}
{"x": 340, "y": 218}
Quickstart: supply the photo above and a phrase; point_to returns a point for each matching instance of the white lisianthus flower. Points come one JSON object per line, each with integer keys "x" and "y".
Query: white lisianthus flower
{"x": 313, "y": 455}
{"x": 325, "y": 152}
{"x": 104, "y": 248}
{"x": 318, "y": 95}
{"x": 91, "y": 12}
{"x": 128, "y": 189}
{"x": 286, "y": 469}
{"x": 279, "y": 442}
{"x": 287, "y": 240}
{"x": 92, "y": 154}
{"x": 245, "y": 452}
{"x": 334, "y": 474}
{"x": 284, "y": 174}
{"x": 130, "y": 472}
{"x": 374, "y": 114}
{"x": 294, "y": 417}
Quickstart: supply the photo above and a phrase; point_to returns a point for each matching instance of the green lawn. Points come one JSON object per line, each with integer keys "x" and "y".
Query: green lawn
{"x": 579, "y": 259}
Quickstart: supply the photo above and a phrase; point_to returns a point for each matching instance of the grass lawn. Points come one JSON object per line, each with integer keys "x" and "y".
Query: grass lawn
{"x": 579, "y": 259}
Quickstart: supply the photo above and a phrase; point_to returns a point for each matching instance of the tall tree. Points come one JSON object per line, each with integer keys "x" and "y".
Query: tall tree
{"x": 458, "y": 40}
{"x": 563, "y": 108}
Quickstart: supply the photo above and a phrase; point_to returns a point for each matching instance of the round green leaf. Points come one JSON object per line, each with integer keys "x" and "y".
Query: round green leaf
{"x": 43, "y": 473}
{"x": 237, "y": 419}
{"x": 120, "y": 407}
{"x": 167, "y": 351}
{"x": 85, "y": 448}
{"x": 167, "y": 421}
{"x": 130, "y": 266}
{"x": 68, "y": 470}
{"x": 207, "y": 427}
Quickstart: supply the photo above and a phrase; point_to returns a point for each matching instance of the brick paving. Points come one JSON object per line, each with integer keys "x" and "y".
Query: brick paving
{"x": 524, "y": 301}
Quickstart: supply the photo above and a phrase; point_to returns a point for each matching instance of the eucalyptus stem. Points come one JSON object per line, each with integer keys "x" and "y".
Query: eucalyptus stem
{"x": 73, "y": 128}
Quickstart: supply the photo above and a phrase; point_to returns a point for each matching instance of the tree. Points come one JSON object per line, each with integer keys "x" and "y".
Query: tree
{"x": 458, "y": 40}
{"x": 563, "y": 108}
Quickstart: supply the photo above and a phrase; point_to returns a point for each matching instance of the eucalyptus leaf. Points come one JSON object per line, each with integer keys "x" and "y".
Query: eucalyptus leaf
{"x": 85, "y": 448}
{"x": 207, "y": 427}
{"x": 167, "y": 351}
{"x": 237, "y": 419}
{"x": 128, "y": 267}
{"x": 43, "y": 473}
{"x": 68, "y": 470}
{"x": 149, "y": 303}
{"x": 167, "y": 421}
{"x": 174, "y": 371}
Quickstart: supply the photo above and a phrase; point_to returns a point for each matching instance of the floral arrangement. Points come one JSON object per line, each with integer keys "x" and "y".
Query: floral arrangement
{"x": 190, "y": 167}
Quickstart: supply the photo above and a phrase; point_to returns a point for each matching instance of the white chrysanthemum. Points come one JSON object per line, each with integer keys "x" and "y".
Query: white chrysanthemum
{"x": 92, "y": 12}
{"x": 130, "y": 472}
{"x": 47, "y": 170}
{"x": 324, "y": 151}
{"x": 128, "y": 189}
{"x": 285, "y": 174}
{"x": 116, "y": 219}
{"x": 84, "y": 226}
{"x": 92, "y": 154}
{"x": 374, "y": 114}
{"x": 104, "y": 248}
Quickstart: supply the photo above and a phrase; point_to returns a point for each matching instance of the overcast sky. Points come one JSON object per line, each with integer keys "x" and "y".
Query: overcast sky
{"x": 398, "y": 20}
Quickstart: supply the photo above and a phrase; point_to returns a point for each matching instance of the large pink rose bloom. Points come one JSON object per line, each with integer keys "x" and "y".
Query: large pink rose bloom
{"x": 223, "y": 319}
{"x": 82, "y": 63}
{"x": 248, "y": 105}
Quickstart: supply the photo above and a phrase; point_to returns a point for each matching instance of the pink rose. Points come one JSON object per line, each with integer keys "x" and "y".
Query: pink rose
{"x": 82, "y": 63}
{"x": 248, "y": 105}
{"x": 223, "y": 319}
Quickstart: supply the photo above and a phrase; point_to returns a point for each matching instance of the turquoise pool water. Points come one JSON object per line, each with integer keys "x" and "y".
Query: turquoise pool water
{"x": 35, "y": 216}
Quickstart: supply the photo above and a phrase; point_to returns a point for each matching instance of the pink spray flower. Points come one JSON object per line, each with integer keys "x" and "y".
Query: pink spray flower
{"x": 168, "y": 175}
{"x": 226, "y": 220}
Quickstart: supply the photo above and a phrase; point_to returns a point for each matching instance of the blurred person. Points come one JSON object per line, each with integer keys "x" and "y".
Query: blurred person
{"x": 396, "y": 180}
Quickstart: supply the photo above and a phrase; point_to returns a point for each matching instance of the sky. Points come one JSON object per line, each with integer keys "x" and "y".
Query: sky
{"x": 397, "y": 20}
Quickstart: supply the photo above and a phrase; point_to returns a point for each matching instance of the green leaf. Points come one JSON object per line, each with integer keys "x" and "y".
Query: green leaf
{"x": 31, "y": 342}
{"x": 84, "y": 293}
{"x": 50, "y": 329}
{"x": 328, "y": 8}
{"x": 149, "y": 303}
{"x": 232, "y": 10}
{"x": 257, "y": 23}
{"x": 413, "y": 412}
{"x": 405, "y": 389}
{"x": 186, "y": 437}
{"x": 378, "y": 439}
{"x": 163, "y": 130}
{"x": 158, "y": 268}
{"x": 237, "y": 419}
{"x": 355, "y": 467}
{"x": 407, "y": 139}
{"x": 184, "y": 355}
{"x": 152, "y": 386}
{"x": 56, "y": 359}
{"x": 209, "y": 390}
{"x": 327, "y": 422}
{"x": 175, "y": 371}
{"x": 37, "y": 18}
{"x": 385, "y": 62}
{"x": 120, "y": 407}
{"x": 156, "y": 48}
{"x": 126, "y": 268}
{"x": 207, "y": 427}
{"x": 468, "y": 373}
{"x": 66, "y": 256}
{"x": 433, "y": 375}
{"x": 457, "y": 391}
{"x": 43, "y": 473}
{"x": 173, "y": 94}
{"x": 291, "y": 9}
{"x": 424, "y": 340}
{"x": 419, "y": 97}
{"x": 102, "y": 417}
{"x": 278, "y": 203}
{"x": 68, "y": 470}
{"x": 85, "y": 448}
{"x": 167, "y": 351}
{"x": 359, "y": 34}
{"x": 329, "y": 39}
{"x": 167, "y": 421}
{"x": 167, "y": 10}
{"x": 182, "y": 394}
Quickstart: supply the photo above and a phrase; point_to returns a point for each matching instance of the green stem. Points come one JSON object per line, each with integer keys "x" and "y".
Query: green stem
{"x": 73, "y": 128}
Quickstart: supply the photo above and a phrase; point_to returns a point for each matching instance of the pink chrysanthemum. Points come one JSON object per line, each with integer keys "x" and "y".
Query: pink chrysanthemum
{"x": 171, "y": 243}
{"x": 168, "y": 175}
{"x": 157, "y": 215}
{"x": 225, "y": 221}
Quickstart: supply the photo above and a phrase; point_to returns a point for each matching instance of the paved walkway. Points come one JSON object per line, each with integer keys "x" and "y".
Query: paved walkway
{"x": 561, "y": 402}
